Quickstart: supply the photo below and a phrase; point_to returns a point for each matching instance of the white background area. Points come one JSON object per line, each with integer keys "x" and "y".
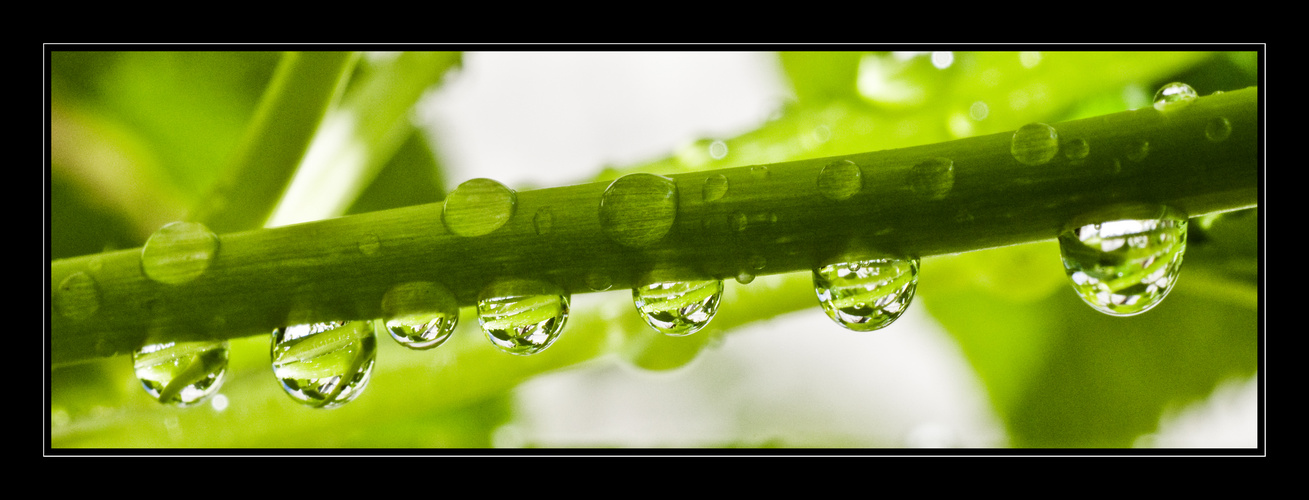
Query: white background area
{"x": 540, "y": 119}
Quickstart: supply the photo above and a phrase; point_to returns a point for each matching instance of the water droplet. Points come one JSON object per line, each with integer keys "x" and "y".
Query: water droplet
{"x": 598, "y": 281}
{"x": 324, "y": 365}
{"x": 717, "y": 150}
{"x": 866, "y": 295}
{"x": 1077, "y": 149}
{"x": 759, "y": 172}
{"x": 544, "y": 221}
{"x": 181, "y": 373}
{"x": 840, "y": 180}
{"x": 638, "y": 210}
{"x": 1174, "y": 96}
{"x": 419, "y": 314}
{"x": 522, "y": 316}
{"x": 178, "y": 252}
{"x": 1034, "y": 144}
{"x": 478, "y": 207}
{"x": 1125, "y": 266}
{"x": 1218, "y": 129}
{"x": 932, "y": 179}
{"x": 369, "y": 244}
{"x": 78, "y": 297}
{"x": 739, "y": 221}
{"x": 1137, "y": 150}
{"x": 744, "y": 277}
{"x": 715, "y": 187}
{"x": 678, "y": 308}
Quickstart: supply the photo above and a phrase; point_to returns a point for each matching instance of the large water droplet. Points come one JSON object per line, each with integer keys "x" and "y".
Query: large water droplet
{"x": 1218, "y": 129}
{"x": 840, "y": 180}
{"x": 638, "y": 210}
{"x": 678, "y": 308}
{"x": 181, "y": 373}
{"x": 478, "y": 207}
{"x": 866, "y": 295}
{"x": 1174, "y": 96}
{"x": 1126, "y": 265}
{"x": 78, "y": 297}
{"x": 522, "y": 316}
{"x": 178, "y": 252}
{"x": 1034, "y": 144}
{"x": 715, "y": 187}
{"x": 420, "y": 314}
{"x": 932, "y": 179}
{"x": 324, "y": 365}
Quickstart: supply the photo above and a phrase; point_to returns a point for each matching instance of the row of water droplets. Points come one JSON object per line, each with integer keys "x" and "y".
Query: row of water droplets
{"x": 1121, "y": 266}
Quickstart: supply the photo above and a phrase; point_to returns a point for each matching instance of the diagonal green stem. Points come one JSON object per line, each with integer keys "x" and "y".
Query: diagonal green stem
{"x": 340, "y": 268}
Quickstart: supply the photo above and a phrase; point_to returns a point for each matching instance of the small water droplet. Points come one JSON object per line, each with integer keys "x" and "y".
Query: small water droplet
{"x": 717, "y": 150}
{"x": 369, "y": 244}
{"x": 598, "y": 281}
{"x": 715, "y": 187}
{"x": 638, "y": 210}
{"x": 1077, "y": 149}
{"x": 1218, "y": 129}
{"x": 178, "y": 252}
{"x": 1125, "y": 266}
{"x": 1034, "y": 144}
{"x": 678, "y": 308}
{"x": 1174, "y": 96}
{"x": 744, "y": 277}
{"x": 759, "y": 172}
{"x": 739, "y": 221}
{"x": 324, "y": 365}
{"x": 840, "y": 180}
{"x": 478, "y": 207}
{"x": 756, "y": 262}
{"x": 78, "y": 296}
{"x": 522, "y": 316}
{"x": 1137, "y": 150}
{"x": 932, "y": 179}
{"x": 544, "y": 221}
{"x": 419, "y": 314}
{"x": 866, "y": 295}
{"x": 181, "y": 373}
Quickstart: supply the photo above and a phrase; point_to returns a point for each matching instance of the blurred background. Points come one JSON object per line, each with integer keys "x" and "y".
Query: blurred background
{"x": 996, "y": 350}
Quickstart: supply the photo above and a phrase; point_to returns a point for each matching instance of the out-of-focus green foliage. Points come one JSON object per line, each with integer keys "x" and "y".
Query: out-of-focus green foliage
{"x": 138, "y": 137}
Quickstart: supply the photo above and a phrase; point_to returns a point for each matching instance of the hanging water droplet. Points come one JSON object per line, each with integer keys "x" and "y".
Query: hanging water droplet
{"x": 1034, "y": 144}
{"x": 369, "y": 244}
{"x": 678, "y": 308}
{"x": 1137, "y": 150}
{"x": 181, "y": 373}
{"x": 1218, "y": 129}
{"x": 715, "y": 187}
{"x": 178, "y": 252}
{"x": 324, "y": 365}
{"x": 522, "y": 316}
{"x": 78, "y": 297}
{"x": 1174, "y": 96}
{"x": 932, "y": 179}
{"x": 544, "y": 221}
{"x": 478, "y": 207}
{"x": 744, "y": 277}
{"x": 1077, "y": 149}
{"x": 840, "y": 180}
{"x": 1126, "y": 265}
{"x": 420, "y": 314}
{"x": 638, "y": 210}
{"x": 866, "y": 295}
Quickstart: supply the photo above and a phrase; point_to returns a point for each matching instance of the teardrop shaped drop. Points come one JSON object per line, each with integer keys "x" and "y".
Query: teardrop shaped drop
{"x": 522, "y": 317}
{"x": 181, "y": 373}
{"x": 866, "y": 295}
{"x": 1125, "y": 266}
{"x": 324, "y": 365}
{"x": 419, "y": 315}
{"x": 678, "y": 308}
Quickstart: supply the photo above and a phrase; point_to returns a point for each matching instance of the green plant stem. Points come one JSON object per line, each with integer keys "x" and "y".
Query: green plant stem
{"x": 304, "y": 87}
{"x": 340, "y": 268}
